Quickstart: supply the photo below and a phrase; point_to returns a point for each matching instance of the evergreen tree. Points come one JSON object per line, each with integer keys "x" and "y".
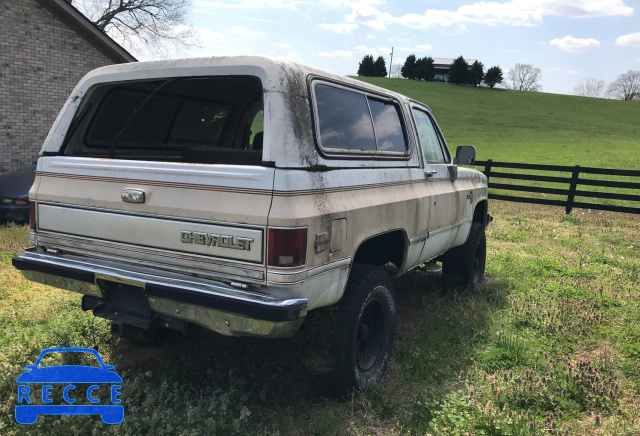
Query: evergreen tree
{"x": 459, "y": 71}
{"x": 420, "y": 69}
{"x": 408, "y": 69}
{"x": 430, "y": 71}
{"x": 366, "y": 67}
{"x": 493, "y": 76}
{"x": 476, "y": 73}
{"x": 380, "y": 67}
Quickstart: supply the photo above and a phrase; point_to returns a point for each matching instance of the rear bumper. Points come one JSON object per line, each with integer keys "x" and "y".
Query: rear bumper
{"x": 208, "y": 303}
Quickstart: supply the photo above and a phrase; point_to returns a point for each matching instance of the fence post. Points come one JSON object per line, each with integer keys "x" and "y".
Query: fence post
{"x": 487, "y": 169}
{"x": 572, "y": 188}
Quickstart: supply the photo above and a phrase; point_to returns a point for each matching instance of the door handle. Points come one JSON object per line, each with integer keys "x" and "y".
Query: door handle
{"x": 430, "y": 173}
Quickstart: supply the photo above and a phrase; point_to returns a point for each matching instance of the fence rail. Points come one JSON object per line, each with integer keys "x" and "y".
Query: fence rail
{"x": 573, "y": 179}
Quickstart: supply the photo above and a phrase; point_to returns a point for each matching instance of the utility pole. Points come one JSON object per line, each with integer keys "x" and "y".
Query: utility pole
{"x": 391, "y": 63}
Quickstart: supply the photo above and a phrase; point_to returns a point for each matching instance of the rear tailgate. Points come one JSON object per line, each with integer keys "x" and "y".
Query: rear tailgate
{"x": 195, "y": 218}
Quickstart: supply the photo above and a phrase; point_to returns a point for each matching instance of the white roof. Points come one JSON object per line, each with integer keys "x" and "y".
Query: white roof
{"x": 276, "y": 74}
{"x": 289, "y": 139}
{"x": 449, "y": 61}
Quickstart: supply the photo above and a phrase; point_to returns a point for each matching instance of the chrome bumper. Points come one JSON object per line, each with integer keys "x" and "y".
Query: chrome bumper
{"x": 210, "y": 304}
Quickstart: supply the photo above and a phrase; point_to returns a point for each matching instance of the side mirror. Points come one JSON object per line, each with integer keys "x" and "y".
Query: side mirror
{"x": 465, "y": 155}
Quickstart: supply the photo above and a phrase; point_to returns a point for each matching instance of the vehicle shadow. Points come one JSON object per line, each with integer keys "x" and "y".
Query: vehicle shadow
{"x": 438, "y": 334}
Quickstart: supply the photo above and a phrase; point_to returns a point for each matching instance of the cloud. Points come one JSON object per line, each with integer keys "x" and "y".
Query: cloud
{"x": 248, "y": 4}
{"x": 375, "y": 51}
{"x": 246, "y": 32}
{"x": 630, "y": 40}
{"x": 492, "y": 13}
{"x": 336, "y": 54}
{"x": 209, "y": 43}
{"x": 385, "y": 51}
{"x": 285, "y": 45}
{"x": 575, "y": 45}
{"x": 370, "y": 36}
{"x": 292, "y": 55}
{"x": 339, "y": 27}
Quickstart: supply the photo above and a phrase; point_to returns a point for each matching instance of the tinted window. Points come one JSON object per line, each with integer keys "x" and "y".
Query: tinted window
{"x": 344, "y": 119}
{"x": 428, "y": 138}
{"x": 387, "y": 125}
{"x": 161, "y": 121}
{"x": 187, "y": 119}
{"x": 198, "y": 123}
{"x": 257, "y": 126}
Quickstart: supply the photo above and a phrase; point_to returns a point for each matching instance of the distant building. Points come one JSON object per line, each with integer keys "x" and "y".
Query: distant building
{"x": 443, "y": 65}
{"x": 46, "y": 46}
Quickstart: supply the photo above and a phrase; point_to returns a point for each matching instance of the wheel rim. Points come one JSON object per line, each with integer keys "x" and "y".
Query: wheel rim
{"x": 479, "y": 256}
{"x": 370, "y": 335}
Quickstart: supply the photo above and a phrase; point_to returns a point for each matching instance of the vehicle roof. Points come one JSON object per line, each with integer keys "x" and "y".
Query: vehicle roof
{"x": 276, "y": 74}
{"x": 285, "y": 86}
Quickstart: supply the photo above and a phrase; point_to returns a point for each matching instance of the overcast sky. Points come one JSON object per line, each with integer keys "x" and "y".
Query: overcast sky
{"x": 568, "y": 39}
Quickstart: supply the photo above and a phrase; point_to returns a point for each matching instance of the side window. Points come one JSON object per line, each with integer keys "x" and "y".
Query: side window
{"x": 344, "y": 119}
{"x": 387, "y": 125}
{"x": 257, "y": 129}
{"x": 429, "y": 140}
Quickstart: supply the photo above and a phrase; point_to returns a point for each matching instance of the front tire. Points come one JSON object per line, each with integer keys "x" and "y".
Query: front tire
{"x": 366, "y": 329}
{"x": 463, "y": 266}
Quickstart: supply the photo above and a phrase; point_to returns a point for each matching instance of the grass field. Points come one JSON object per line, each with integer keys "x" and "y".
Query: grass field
{"x": 531, "y": 127}
{"x": 551, "y": 345}
{"x": 537, "y": 128}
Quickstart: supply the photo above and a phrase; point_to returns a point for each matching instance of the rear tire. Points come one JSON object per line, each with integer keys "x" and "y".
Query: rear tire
{"x": 366, "y": 329}
{"x": 463, "y": 266}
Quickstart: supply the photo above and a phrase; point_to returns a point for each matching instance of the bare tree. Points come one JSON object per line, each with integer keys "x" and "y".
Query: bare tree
{"x": 396, "y": 70}
{"x": 148, "y": 22}
{"x": 525, "y": 77}
{"x": 626, "y": 86}
{"x": 589, "y": 87}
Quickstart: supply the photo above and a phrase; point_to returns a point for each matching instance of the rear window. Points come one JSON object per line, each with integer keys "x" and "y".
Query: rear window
{"x": 199, "y": 120}
{"x": 349, "y": 121}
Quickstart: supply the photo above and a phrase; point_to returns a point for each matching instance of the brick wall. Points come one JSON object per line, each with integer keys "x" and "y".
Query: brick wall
{"x": 41, "y": 60}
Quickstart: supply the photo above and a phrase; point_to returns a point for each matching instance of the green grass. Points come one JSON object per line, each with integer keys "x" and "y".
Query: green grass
{"x": 536, "y": 128}
{"x": 549, "y": 345}
{"x": 531, "y": 127}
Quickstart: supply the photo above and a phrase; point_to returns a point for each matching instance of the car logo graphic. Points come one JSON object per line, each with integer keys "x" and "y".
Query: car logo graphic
{"x": 65, "y": 377}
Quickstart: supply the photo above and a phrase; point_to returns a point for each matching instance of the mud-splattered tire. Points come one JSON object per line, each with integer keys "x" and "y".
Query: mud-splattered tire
{"x": 463, "y": 266}
{"x": 366, "y": 329}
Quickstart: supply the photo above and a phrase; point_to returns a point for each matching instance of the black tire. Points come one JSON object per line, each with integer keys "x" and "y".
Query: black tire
{"x": 366, "y": 328}
{"x": 463, "y": 266}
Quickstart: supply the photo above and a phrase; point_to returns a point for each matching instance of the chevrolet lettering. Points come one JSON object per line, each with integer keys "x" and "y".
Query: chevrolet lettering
{"x": 239, "y": 193}
{"x": 222, "y": 241}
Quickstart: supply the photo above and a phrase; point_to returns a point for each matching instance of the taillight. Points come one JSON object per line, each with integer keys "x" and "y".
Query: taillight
{"x": 287, "y": 247}
{"x": 32, "y": 215}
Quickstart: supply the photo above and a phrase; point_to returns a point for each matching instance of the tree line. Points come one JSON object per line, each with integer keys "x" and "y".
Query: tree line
{"x": 626, "y": 87}
{"x": 522, "y": 77}
{"x": 423, "y": 69}
{"x": 459, "y": 72}
{"x": 370, "y": 68}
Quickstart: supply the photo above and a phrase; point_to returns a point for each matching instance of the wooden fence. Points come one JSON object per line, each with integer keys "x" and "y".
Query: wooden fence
{"x": 574, "y": 181}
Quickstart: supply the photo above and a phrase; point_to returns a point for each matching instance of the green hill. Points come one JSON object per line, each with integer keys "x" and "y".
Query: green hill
{"x": 531, "y": 127}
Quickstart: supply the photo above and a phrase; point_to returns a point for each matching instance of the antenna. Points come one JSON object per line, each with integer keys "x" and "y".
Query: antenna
{"x": 391, "y": 62}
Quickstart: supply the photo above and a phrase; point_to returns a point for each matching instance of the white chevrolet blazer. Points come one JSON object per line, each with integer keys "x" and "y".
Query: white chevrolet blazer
{"x": 239, "y": 193}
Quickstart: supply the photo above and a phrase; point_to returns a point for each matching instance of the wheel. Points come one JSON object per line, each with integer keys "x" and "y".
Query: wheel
{"x": 366, "y": 328}
{"x": 463, "y": 266}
